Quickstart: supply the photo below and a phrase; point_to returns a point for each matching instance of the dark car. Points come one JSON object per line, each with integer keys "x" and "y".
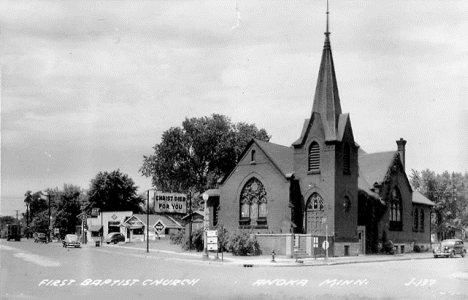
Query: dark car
{"x": 450, "y": 248}
{"x": 114, "y": 237}
{"x": 71, "y": 240}
{"x": 40, "y": 237}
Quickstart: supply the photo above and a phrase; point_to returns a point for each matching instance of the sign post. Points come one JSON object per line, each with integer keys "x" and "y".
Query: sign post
{"x": 325, "y": 244}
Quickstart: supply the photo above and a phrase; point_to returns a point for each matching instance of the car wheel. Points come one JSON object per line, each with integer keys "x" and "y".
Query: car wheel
{"x": 463, "y": 253}
{"x": 108, "y": 243}
{"x": 115, "y": 242}
{"x": 452, "y": 254}
{"x": 435, "y": 256}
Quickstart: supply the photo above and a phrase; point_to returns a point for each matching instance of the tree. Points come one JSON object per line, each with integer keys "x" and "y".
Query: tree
{"x": 113, "y": 191}
{"x": 449, "y": 192}
{"x": 195, "y": 156}
{"x": 27, "y": 200}
{"x": 67, "y": 208}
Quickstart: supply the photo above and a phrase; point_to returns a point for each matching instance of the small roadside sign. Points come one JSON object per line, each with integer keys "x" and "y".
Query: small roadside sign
{"x": 211, "y": 233}
{"x": 212, "y": 247}
{"x": 325, "y": 245}
{"x": 212, "y": 240}
{"x": 159, "y": 226}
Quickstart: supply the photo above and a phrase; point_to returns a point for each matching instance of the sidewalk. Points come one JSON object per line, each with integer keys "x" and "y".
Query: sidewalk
{"x": 262, "y": 261}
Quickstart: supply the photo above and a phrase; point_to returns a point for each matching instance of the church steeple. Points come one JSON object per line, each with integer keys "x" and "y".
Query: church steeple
{"x": 327, "y": 99}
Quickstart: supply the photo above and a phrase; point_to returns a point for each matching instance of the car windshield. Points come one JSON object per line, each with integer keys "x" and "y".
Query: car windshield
{"x": 41, "y": 234}
{"x": 112, "y": 234}
{"x": 71, "y": 238}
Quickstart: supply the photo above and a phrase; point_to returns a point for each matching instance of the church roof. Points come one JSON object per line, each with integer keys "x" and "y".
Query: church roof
{"x": 327, "y": 99}
{"x": 421, "y": 199}
{"x": 281, "y": 156}
{"x": 374, "y": 166}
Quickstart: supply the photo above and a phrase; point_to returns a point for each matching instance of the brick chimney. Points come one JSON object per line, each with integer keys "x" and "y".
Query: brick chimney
{"x": 401, "y": 150}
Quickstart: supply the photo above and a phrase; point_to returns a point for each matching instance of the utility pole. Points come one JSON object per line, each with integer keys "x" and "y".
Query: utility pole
{"x": 190, "y": 220}
{"x": 17, "y": 214}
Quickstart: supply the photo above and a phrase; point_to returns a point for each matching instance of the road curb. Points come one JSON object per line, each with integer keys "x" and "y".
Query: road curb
{"x": 250, "y": 265}
{"x": 246, "y": 264}
{"x": 461, "y": 275}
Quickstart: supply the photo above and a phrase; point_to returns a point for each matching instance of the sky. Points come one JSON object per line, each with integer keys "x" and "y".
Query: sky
{"x": 90, "y": 86}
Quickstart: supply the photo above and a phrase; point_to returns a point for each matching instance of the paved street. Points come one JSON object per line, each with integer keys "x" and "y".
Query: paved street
{"x": 48, "y": 271}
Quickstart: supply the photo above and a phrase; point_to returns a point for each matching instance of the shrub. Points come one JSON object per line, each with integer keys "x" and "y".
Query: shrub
{"x": 196, "y": 243}
{"x": 387, "y": 245}
{"x": 223, "y": 239}
{"x": 417, "y": 249}
{"x": 241, "y": 244}
{"x": 177, "y": 238}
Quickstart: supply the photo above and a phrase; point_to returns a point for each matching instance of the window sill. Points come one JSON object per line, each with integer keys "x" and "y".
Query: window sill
{"x": 243, "y": 222}
{"x": 315, "y": 172}
{"x": 395, "y": 226}
{"x": 253, "y": 226}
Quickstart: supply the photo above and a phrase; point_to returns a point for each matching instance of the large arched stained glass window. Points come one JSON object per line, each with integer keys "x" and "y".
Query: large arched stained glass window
{"x": 253, "y": 203}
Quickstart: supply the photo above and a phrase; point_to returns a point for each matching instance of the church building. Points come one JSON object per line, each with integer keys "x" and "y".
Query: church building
{"x": 323, "y": 187}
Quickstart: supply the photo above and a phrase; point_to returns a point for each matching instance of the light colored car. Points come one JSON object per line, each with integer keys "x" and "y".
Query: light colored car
{"x": 40, "y": 237}
{"x": 71, "y": 240}
{"x": 450, "y": 248}
{"x": 114, "y": 238}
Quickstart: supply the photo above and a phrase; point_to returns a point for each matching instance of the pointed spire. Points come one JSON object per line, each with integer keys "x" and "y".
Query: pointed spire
{"x": 327, "y": 100}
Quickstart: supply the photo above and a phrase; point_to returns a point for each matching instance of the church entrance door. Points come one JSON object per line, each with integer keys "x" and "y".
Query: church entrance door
{"x": 314, "y": 222}
{"x": 314, "y": 215}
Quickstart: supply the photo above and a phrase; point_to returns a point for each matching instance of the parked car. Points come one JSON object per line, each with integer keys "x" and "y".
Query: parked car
{"x": 450, "y": 248}
{"x": 71, "y": 240}
{"x": 114, "y": 237}
{"x": 40, "y": 237}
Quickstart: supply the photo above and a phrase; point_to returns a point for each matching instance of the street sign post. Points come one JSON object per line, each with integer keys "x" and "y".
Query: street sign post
{"x": 212, "y": 240}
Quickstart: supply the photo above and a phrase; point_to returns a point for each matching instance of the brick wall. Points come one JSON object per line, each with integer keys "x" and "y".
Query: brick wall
{"x": 270, "y": 242}
{"x": 276, "y": 186}
{"x": 353, "y": 249}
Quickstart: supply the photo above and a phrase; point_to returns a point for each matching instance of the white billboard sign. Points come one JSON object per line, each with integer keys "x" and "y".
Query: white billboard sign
{"x": 170, "y": 203}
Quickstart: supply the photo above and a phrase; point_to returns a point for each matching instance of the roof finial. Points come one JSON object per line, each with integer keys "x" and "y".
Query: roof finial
{"x": 328, "y": 32}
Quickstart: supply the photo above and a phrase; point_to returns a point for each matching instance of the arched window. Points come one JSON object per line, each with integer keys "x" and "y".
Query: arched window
{"x": 315, "y": 202}
{"x": 421, "y": 224}
{"x": 314, "y": 157}
{"x": 314, "y": 214}
{"x": 253, "y": 203}
{"x": 396, "y": 206}
{"x": 346, "y": 159}
{"x": 415, "y": 220}
{"x": 253, "y": 156}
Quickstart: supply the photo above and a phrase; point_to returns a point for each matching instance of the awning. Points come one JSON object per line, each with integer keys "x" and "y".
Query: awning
{"x": 126, "y": 225}
{"x": 95, "y": 228}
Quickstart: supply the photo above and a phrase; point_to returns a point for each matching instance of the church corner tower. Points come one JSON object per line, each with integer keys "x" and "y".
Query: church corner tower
{"x": 326, "y": 164}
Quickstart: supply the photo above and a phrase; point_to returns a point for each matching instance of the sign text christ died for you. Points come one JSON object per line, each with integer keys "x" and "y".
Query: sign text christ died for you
{"x": 170, "y": 203}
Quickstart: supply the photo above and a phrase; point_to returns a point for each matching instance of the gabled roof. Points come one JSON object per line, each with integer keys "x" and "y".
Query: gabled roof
{"x": 197, "y": 212}
{"x": 374, "y": 166}
{"x": 364, "y": 186}
{"x": 281, "y": 156}
{"x": 421, "y": 199}
{"x": 166, "y": 219}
